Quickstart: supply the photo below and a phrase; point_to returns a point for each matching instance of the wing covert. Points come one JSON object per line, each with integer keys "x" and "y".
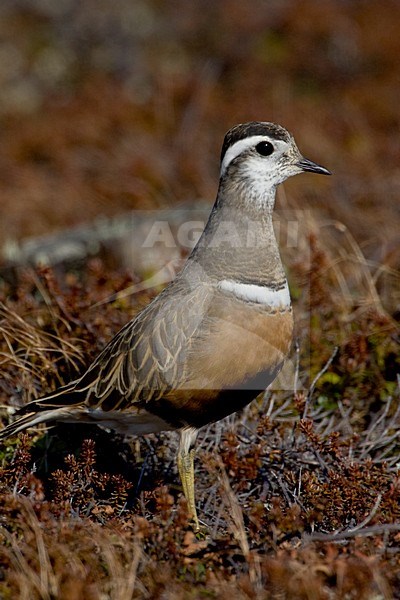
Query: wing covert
{"x": 148, "y": 356}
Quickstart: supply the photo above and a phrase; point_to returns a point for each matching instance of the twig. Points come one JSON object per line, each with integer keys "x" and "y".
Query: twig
{"x": 315, "y": 380}
{"x": 351, "y": 533}
{"x": 368, "y": 517}
{"x": 297, "y": 369}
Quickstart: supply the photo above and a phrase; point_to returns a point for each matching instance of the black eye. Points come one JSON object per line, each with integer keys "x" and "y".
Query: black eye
{"x": 265, "y": 148}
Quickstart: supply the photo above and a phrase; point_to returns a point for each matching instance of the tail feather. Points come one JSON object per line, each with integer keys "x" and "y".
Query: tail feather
{"x": 53, "y": 407}
{"x": 32, "y": 419}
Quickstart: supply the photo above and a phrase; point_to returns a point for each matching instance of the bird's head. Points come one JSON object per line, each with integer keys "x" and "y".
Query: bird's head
{"x": 262, "y": 155}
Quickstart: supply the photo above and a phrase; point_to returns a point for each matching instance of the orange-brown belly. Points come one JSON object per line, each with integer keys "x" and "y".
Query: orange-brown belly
{"x": 242, "y": 353}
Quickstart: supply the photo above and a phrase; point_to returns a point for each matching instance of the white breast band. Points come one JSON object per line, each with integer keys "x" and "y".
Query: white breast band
{"x": 257, "y": 293}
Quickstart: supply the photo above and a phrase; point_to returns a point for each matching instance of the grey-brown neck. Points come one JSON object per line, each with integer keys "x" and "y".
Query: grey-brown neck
{"x": 239, "y": 242}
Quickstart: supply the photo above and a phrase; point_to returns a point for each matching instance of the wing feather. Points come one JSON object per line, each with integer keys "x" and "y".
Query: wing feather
{"x": 144, "y": 361}
{"x": 148, "y": 357}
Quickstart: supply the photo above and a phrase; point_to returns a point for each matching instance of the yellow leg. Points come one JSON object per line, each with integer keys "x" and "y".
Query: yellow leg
{"x": 186, "y": 472}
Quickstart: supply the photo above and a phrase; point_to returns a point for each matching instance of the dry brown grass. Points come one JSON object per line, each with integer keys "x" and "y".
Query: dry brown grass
{"x": 304, "y": 499}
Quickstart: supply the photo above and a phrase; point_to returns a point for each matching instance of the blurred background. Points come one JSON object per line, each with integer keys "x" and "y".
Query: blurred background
{"x": 108, "y": 107}
{"x": 111, "y": 110}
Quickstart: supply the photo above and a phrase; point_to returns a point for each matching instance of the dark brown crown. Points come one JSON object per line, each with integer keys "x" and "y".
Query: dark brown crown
{"x": 244, "y": 130}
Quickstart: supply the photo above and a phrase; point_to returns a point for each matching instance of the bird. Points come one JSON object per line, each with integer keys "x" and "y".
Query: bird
{"x": 217, "y": 335}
